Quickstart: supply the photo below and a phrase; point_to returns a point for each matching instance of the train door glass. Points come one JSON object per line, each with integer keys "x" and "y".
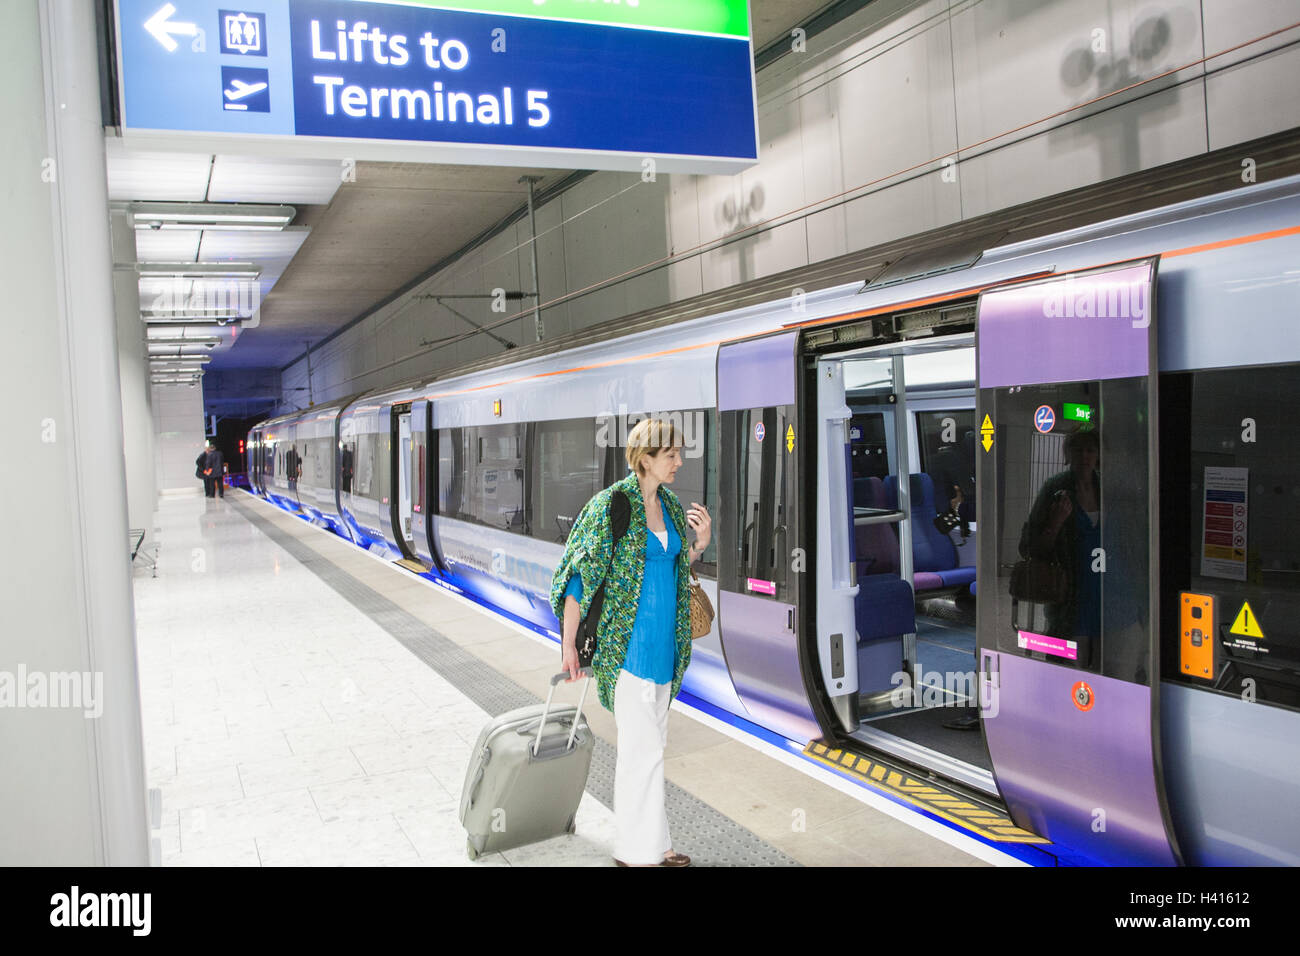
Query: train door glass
{"x": 405, "y": 501}
{"x": 762, "y": 535}
{"x": 422, "y": 478}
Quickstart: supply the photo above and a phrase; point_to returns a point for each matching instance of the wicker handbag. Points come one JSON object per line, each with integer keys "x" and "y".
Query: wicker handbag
{"x": 701, "y": 610}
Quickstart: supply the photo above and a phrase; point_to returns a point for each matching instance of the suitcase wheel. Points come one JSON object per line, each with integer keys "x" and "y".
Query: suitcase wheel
{"x": 470, "y": 851}
{"x": 571, "y": 826}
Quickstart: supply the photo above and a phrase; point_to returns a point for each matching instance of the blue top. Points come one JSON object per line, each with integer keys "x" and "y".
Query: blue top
{"x": 652, "y": 652}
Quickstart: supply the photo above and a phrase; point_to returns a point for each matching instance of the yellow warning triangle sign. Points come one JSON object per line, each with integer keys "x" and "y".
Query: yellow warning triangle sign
{"x": 1246, "y": 624}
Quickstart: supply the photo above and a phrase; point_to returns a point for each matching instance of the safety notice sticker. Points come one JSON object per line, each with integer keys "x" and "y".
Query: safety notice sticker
{"x": 1224, "y": 524}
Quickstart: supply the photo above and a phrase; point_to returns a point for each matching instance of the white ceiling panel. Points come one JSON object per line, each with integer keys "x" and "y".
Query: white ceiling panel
{"x": 249, "y": 179}
{"x": 175, "y": 177}
{"x": 166, "y": 245}
{"x": 259, "y": 247}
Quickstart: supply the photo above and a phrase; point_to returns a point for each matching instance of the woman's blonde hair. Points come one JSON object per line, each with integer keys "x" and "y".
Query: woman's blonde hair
{"x": 648, "y": 437}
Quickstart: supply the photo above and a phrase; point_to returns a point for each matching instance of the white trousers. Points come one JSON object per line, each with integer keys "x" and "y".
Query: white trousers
{"x": 640, "y": 817}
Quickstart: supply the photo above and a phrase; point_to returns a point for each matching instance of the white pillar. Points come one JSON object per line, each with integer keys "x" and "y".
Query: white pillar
{"x": 133, "y": 368}
{"x": 72, "y": 790}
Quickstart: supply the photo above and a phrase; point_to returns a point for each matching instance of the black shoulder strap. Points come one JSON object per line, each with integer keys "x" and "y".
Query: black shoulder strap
{"x": 620, "y": 515}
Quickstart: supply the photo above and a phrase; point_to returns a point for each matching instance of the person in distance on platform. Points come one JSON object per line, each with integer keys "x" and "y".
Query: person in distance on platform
{"x": 203, "y": 469}
{"x": 644, "y": 641}
{"x": 217, "y": 462}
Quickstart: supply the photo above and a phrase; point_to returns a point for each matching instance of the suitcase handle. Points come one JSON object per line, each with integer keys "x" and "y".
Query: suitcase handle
{"x": 541, "y": 724}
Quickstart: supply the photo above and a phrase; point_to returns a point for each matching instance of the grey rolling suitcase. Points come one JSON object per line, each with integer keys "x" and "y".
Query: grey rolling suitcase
{"x": 526, "y": 775}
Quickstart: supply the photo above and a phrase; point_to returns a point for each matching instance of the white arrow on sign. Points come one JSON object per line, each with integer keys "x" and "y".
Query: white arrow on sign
{"x": 161, "y": 29}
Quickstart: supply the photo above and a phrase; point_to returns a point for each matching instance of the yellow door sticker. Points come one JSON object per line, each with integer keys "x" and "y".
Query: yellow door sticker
{"x": 1246, "y": 624}
{"x": 789, "y": 438}
{"x": 986, "y": 433}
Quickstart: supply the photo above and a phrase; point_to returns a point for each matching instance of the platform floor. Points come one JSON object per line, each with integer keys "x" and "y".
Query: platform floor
{"x": 306, "y": 704}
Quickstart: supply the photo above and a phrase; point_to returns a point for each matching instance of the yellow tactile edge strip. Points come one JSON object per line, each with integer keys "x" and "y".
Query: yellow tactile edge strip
{"x": 981, "y": 821}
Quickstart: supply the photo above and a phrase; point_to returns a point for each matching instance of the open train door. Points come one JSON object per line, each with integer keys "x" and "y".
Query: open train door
{"x": 758, "y": 532}
{"x": 1069, "y": 566}
{"x": 424, "y": 489}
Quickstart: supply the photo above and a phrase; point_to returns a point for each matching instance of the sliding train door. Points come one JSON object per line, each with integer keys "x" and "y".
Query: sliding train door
{"x": 402, "y": 500}
{"x": 423, "y": 482}
{"x": 1069, "y": 559}
{"x": 760, "y": 561}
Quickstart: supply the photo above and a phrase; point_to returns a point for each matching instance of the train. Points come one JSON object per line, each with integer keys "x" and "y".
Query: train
{"x": 1019, "y": 527}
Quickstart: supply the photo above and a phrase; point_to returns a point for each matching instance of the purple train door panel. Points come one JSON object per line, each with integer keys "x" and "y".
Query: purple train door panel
{"x": 758, "y": 528}
{"x": 422, "y": 482}
{"x": 1068, "y": 616}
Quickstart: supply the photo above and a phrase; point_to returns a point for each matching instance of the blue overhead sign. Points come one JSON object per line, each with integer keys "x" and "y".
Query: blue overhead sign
{"x": 573, "y": 87}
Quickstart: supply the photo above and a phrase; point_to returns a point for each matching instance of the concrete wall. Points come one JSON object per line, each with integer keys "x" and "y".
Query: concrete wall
{"x": 178, "y": 437}
{"x": 871, "y": 107}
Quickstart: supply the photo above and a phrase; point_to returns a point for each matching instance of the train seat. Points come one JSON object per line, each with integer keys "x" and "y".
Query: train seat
{"x": 885, "y": 608}
{"x": 877, "y": 544}
{"x": 934, "y": 557}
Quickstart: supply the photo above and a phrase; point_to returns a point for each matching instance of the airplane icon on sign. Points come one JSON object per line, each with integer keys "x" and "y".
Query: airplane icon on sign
{"x": 242, "y": 89}
{"x": 245, "y": 90}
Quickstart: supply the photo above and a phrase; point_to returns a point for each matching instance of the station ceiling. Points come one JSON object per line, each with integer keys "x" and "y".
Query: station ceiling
{"x": 358, "y": 235}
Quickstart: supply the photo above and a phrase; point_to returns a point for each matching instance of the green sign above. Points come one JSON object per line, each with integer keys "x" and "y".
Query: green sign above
{"x": 723, "y": 17}
{"x": 1075, "y": 412}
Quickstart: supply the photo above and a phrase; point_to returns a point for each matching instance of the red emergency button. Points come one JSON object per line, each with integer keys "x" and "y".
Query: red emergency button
{"x": 1082, "y": 696}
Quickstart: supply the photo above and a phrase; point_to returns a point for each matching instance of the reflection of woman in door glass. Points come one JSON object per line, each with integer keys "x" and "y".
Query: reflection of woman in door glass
{"x": 1064, "y": 529}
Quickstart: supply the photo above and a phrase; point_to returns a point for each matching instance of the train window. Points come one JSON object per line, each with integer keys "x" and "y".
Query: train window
{"x": 568, "y": 469}
{"x": 495, "y": 490}
{"x": 1073, "y": 553}
{"x": 1230, "y": 507}
{"x": 757, "y": 478}
{"x": 451, "y": 472}
{"x": 347, "y": 465}
{"x": 365, "y": 466}
{"x": 869, "y": 445}
{"x": 947, "y": 447}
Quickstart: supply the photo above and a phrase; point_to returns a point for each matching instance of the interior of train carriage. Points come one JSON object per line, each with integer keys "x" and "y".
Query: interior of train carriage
{"x": 913, "y": 439}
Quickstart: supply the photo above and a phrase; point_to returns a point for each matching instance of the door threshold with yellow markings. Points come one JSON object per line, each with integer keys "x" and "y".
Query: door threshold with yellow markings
{"x": 980, "y": 820}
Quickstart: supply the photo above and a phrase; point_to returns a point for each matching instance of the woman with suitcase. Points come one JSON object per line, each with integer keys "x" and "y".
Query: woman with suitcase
{"x": 644, "y": 635}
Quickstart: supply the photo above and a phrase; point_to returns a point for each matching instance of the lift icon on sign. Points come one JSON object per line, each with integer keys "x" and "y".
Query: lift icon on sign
{"x": 243, "y": 33}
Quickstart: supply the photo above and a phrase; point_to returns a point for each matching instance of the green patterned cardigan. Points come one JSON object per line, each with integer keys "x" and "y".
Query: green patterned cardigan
{"x": 587, "y": 552}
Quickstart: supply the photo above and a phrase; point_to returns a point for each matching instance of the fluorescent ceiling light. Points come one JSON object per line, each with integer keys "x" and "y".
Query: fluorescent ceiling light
{"x": 179, "y": 352}
{"x": 190, "y": 318}
{"x": 202, "y": 215}
{"x": 199, "y": 270}
{"x": 176, "y": 333}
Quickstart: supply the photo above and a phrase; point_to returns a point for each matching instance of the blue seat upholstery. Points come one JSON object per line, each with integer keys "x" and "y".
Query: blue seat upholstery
{"x": 934, "y": 559}
{"x": 885, "y": 608}
{"x": 876, "y": 544}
